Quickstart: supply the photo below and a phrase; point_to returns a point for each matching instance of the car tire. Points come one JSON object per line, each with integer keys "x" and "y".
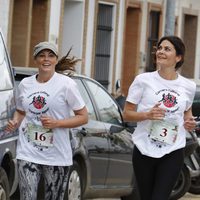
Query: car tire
{"x": 182, "y": 185}
{"x": 195, "y": 185}
{"x": 195, "y": 182}
{"x": 131, "y": 197}
{"x": 134, "y": 195}
{"x": 74, "y": 183}
{"x": 4, "y": 185}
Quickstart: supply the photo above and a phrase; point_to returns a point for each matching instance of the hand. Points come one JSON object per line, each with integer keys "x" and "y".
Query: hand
{"x": 11, "y": 126}
{"x": 156, "y": 113}
{"x": 190, "y": 123}
{"x": 48, "y": 122}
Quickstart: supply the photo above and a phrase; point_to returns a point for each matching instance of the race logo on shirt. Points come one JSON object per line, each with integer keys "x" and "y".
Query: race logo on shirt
{"x": 169, "y": 100}
{"x": 38, "y": 102}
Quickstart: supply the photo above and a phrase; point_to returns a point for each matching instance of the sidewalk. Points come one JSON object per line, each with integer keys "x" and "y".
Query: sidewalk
{"x": 189, "y": 196}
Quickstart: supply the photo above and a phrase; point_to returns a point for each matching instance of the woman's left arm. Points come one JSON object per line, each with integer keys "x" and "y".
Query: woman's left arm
{"x": 80, "y": 118}
{"x": 189, "y": 122}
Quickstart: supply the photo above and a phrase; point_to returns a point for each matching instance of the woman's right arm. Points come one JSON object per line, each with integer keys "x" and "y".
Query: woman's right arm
{"x": 16, "y": 121}
{"x": 130, "y": 113}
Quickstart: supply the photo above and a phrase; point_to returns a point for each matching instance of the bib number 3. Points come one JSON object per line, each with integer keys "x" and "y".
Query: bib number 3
{"x": 164, "y": 132}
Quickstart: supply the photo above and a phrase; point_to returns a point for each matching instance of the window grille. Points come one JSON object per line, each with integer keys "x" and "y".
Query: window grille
{"x": 153, "y": 38}
{"x": 103, "y": 44}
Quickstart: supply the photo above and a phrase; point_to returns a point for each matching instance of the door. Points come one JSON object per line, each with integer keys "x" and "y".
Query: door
{"x": 7, "y": 105}
{"x": 119, "y": 171}
{"x": 95, "y": 141}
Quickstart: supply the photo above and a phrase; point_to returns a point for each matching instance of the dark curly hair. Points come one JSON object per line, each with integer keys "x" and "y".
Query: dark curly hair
{"x": 178, "y": 45}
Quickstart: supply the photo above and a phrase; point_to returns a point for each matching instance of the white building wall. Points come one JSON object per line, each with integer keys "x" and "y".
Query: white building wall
{"x": 73, "y": 29}
{"x": 143, "y": 55}
{"x": 89, "y": 39}
{"x": 191, "y": 5}
{"x": 120, "y": 35}
{"x": 4, "y": 17}
{"x": 54, "y": 27}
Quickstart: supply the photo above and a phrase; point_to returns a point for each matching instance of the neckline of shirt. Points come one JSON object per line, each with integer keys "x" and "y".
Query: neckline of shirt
{"x": 44, "y": 83}
{"x": 166, "y": 80}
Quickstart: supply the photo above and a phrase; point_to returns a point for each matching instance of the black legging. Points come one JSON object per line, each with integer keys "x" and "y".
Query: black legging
{"x": 157, "y": 176}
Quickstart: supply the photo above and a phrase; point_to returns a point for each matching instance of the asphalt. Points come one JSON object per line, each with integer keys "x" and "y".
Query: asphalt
{"x": 187, "y": 196}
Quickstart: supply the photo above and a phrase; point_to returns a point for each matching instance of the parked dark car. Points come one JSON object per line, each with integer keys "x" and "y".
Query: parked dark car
{"x": 8, "y": 178}
{"x": 196, "y": 103}
{"x": 102, "y": 149}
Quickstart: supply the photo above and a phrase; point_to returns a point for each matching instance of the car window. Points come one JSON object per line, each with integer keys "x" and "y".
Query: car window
{"x": 5, "y": 80}
{"x": 196, "y": 103}
{"x": 107, "y": 107}
{"x": 84, "y": 94}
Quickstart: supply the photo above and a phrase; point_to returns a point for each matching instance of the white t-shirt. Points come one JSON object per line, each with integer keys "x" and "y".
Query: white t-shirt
{"x": 176, "y": 96}
{"x": 55, "y": 98}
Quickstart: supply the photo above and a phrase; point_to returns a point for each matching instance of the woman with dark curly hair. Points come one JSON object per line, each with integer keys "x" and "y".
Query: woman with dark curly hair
{"x": 160, "y": 102}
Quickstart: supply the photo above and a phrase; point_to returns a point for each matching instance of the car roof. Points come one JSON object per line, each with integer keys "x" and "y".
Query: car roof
{"x": 25, "y": 70}
{"x": 22, "y": 72}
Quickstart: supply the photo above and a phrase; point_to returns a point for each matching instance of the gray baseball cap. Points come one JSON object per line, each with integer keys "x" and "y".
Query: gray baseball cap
{"x": 45, "y": 45}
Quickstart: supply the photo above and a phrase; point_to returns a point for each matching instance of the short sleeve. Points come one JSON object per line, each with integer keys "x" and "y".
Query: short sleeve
{"x": 74, "y": 97}
{"x": 190, "y": 94}
{"x": 19, "y": 96}
{"x": 135, "y": 91}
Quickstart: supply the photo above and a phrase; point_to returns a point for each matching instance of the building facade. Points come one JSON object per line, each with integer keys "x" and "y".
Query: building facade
{"x": 114, "y": 38}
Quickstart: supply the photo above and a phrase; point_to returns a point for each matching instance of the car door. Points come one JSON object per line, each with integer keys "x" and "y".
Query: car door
{"x": 95, "y": 141}
{"x": 120, "y": 143}
{"x": 7, "y": 105}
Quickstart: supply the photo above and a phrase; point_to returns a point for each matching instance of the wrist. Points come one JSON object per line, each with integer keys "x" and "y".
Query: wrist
{"x": 146, "y": 116}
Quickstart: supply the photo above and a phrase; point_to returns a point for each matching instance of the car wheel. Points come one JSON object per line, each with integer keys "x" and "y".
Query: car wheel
{"x": 74, "y": 183}
{"x": 134, "y": 195}
{"x": 182, "y": 185}
{"x": 195, "y": 185}
{"x": 4, "y": 185}
{"x": 195, "y": 182}
{"x": 131, "y": 197}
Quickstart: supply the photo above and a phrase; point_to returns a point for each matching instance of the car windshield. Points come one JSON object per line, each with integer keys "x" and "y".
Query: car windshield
{"x": 5, "y": 78}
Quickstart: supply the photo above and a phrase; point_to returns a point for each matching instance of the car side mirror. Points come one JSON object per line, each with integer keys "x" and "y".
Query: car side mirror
{"x": 130, "y": 126}
{"x": 116, "y": 129}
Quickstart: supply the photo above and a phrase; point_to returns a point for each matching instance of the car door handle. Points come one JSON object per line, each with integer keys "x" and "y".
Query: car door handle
{"x": 111, "y": 136}
{"x": 83, "y": 131}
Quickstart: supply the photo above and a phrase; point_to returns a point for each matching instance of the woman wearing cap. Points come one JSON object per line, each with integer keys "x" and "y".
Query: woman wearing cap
{"x": 43, "y": 116}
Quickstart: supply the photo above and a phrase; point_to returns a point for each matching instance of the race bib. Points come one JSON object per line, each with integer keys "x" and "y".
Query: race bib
{"x": 39, "y": 135}
{"x": 164, "y": 132}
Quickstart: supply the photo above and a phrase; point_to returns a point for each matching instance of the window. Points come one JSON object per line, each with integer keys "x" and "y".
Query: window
{"x": 107, "y": 107}
{"x": 5, "y": 80}
{"x": 153, "y": 38}
{"x": 86, "y": 98}
{"x": 103, "y": 44}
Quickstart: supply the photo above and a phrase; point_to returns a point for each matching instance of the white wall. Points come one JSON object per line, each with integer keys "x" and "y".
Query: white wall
{"x": 55, "y": 11}
{"x": 73, "y": 29}
{"x": 120, "y": 40}
{"x": 192, "y": 5}
{"x": 89, "y": 40}
{"x": 4, "y": 17}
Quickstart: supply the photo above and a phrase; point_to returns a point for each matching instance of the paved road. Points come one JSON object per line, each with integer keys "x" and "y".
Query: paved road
{"x": 190, "y": 197}
{"x": 186, "y": 197}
